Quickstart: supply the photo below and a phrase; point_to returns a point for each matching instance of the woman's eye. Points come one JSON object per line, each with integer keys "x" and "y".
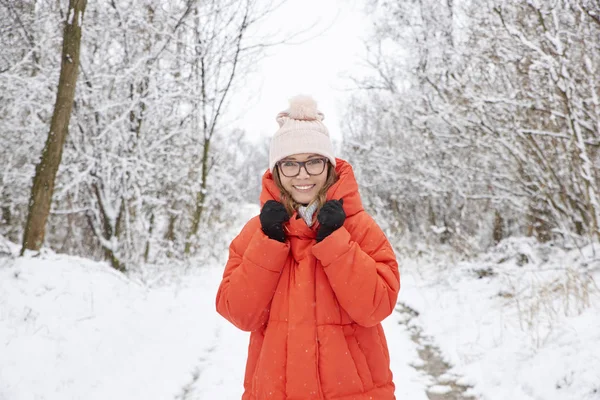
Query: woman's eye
{"x": 288, "y": 164}
{"x": 314, "y": 162}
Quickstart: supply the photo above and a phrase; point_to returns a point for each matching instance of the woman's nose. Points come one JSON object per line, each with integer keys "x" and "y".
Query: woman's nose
{"x": 303, "y": 173}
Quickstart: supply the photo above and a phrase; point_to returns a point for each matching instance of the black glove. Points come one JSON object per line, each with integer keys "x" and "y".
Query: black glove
{"x": 331, "y": 217}
{"x": 272, "y": 217}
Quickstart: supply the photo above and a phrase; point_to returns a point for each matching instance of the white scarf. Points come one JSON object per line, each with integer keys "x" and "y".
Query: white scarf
{"x": 307, "y": 212}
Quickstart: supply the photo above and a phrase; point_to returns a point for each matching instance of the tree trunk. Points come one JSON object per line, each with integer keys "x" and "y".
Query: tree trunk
{"x": 170, "y": 234}
{"x": 45, "y": 172}
{"x": 200, "y": 197}
{"x": 150, "y": 230}
{"x": 111, "y": 228}
{"x": 498, "y": 233}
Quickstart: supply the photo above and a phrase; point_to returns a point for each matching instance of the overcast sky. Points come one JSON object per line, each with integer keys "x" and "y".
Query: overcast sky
{"x": 315, "y": 67}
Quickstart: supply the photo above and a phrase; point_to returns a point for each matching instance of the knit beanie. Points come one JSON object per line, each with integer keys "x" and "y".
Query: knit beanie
{"x": 301, "y": 130}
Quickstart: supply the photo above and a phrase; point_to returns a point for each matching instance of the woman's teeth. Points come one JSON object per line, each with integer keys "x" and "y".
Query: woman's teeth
{"x": 305, "y": 187}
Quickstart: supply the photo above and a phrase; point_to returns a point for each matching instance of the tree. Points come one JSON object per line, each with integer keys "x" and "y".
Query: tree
{"x": 29, "y": 61}
{"x": 492, "y": 108}
{"x": 220, "y": 54}
{"x": 44, "y": 179}
{"x": 153, "y": 104}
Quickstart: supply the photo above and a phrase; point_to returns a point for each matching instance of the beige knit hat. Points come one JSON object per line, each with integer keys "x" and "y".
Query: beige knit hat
{"x": 301, "y": 130}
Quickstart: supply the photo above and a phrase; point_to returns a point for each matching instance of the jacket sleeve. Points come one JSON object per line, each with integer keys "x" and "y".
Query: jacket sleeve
{"x": 364, "y": 276}
{"x": 250, "y": 277}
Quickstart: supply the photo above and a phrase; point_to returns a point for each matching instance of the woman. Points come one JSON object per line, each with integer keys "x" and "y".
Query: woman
{"x": 312, "y": 276}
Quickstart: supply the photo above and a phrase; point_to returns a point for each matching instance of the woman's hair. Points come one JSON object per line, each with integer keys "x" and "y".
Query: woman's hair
{"x": 288, "y": 201}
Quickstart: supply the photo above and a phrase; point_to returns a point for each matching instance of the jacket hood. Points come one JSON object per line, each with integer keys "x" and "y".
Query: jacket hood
{"x": 345, "y": 188}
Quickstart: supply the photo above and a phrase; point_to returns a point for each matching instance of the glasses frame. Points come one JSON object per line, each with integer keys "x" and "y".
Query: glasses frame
{"x": 302, "y": 164}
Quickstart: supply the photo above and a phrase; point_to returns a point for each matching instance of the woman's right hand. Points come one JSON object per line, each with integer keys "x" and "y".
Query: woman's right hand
{"x": 272, "y": 217}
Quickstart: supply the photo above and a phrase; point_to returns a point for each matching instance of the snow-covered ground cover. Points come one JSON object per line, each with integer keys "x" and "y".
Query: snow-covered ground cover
{"x": 75, "y": 329}
{"x": 521, "y": 322}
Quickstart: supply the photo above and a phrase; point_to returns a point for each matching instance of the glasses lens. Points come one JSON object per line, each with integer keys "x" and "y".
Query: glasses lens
{"x": 289, "y": 168}
{"x": 316, "y": 166}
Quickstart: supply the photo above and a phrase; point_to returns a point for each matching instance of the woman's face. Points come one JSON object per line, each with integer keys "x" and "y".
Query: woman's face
{"x": 304, "y": 186}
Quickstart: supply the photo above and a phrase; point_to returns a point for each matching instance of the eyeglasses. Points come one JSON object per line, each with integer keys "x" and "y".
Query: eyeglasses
{"x": 291, "y": 169}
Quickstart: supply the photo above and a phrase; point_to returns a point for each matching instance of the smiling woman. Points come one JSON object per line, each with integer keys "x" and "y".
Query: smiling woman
{"x": 312, "y": 276}
{"x": 302, "y": 177}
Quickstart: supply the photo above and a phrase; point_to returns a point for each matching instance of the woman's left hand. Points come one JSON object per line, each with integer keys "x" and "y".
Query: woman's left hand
{"x": 331, "y": 217}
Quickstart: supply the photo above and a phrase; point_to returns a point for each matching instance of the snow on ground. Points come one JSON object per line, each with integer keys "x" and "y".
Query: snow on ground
{"x": 515, "y": 324}
{"x": 74, "y": 329}
{"x": 521, "y": 322}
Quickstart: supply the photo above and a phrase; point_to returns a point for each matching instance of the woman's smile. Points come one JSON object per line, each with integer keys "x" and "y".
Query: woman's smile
{"x": 304, "y": 188}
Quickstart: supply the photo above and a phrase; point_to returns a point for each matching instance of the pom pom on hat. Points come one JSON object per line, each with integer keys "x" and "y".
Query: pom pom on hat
{"x": 304, "y": 108}
{"x": 301, "y": 130}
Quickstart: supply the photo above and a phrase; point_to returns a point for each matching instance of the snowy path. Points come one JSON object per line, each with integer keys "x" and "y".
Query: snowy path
{"x": 444, "y": 385}
{"x": 220, "y": 372}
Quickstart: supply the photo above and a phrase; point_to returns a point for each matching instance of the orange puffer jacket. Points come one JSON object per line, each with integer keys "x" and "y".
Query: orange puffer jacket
{"x": 314, "y": 309}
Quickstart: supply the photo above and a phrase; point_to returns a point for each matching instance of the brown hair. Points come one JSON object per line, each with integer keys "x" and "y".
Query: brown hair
{"x": 288, "y": 201}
